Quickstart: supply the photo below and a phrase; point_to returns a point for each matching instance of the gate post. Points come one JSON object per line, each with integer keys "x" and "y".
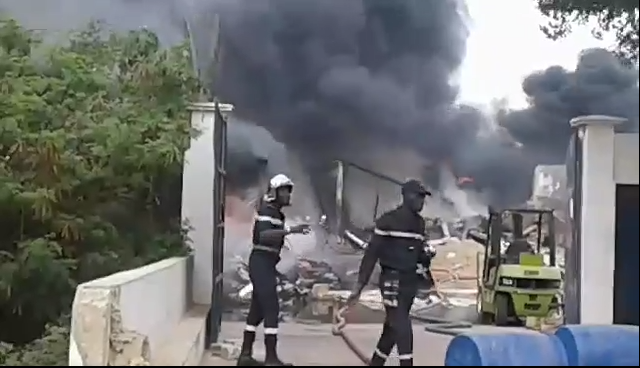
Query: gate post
{"x": 592, "y": 253}
{"x": 203, "y": 207}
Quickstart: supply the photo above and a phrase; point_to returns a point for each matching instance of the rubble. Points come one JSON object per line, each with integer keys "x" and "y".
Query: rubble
{"x": 454, "y": 268}
{"x": 456, "y": 232}
{"x": 311, "y": 280}
{"x": 293, "y": 288}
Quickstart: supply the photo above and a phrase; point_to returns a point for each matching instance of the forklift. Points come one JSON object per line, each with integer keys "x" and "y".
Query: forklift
{"x": 516, "y": 282}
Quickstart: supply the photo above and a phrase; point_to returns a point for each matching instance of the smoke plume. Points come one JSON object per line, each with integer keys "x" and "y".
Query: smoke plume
{"x": 344, "y": 79}
{"x": 253, "y": 155}
{"x": 341, "y": 79}
{"x": 600, "y": 85}
{"x": 333, "y": 77}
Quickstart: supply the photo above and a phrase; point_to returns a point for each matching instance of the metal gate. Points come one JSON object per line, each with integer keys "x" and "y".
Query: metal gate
{"x": 573, "y": 248}
{"x": 626, "y": 276}
{"x": 220, "y": 162}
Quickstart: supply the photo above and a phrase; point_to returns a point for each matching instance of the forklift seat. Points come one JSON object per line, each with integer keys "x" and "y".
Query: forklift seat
{"x": 513, "y": 251}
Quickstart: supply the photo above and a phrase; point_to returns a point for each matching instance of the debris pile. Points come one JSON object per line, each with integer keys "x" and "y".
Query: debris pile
{"x": 294, "y": 287}
{"x": 454, "y": 269}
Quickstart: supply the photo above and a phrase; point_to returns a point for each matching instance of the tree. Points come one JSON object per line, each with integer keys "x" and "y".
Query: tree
{"x": 617, "y": 16}
{"x": 92, "y": 137}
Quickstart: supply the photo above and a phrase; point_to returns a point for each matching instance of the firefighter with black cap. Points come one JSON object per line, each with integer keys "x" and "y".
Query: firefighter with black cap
{"x": 269, "y": 231}
{"x": 398, "y": 244}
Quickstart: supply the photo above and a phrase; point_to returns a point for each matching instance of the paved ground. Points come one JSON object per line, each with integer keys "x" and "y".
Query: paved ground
{"x": 314, "y": 345}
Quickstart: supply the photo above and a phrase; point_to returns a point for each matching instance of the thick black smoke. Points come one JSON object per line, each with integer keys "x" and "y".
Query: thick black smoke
{"x": 600, "y": 85}
{"x": 331, "y": 77}
{"x": 334, "y": 78}
{"x": 253, "y": 156}
{"x": 338, "y": 78}
{"x": 327, "y": 75}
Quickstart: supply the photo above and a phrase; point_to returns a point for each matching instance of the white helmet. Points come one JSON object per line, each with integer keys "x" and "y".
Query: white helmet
{"x": 278, "y": 181}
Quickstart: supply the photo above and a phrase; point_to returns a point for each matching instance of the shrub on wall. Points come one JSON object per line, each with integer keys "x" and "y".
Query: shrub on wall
{"x": 92, "y": 136}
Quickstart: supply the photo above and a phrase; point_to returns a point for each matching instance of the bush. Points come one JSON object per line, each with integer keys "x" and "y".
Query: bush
{"x": 92, "y": 136}
{"x": 49, "y": 350}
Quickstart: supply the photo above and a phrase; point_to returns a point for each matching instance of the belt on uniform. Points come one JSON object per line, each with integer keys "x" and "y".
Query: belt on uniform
{"x": 388, "y": 271}
{"x": 266, "y": 248}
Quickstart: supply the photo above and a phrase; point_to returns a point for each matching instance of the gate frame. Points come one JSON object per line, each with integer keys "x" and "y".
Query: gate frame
{"x": 203, "y": 208}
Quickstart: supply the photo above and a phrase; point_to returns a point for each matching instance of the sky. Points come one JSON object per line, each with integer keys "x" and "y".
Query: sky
{"x": 506, "y": 44}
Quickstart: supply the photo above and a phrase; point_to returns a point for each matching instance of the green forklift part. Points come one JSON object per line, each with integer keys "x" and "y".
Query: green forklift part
{"x": 510, "y": 290}
{"x": 531, "y": 260}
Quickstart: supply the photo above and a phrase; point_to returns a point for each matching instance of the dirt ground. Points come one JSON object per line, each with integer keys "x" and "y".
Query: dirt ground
{"x": 459, "y": 258}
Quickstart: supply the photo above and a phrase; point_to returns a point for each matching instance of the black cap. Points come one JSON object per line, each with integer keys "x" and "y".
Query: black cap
{"x": 415, "y": 187}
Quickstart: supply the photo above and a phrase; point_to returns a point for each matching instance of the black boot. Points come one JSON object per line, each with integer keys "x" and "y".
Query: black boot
{"x": 246, "y": 354}
{"x": 276, "y": 363}
{"x": 248, "y": 361}
{"x": 272, "y": 359}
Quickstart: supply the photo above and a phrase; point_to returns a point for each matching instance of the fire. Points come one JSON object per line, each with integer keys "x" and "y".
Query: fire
{"x": 461, "y": 180}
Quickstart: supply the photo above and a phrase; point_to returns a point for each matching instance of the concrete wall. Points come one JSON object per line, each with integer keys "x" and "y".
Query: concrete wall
{"x": 198, "y": 196}
{"x": 137, "y": 317}
{"x": 156, "y": 314}
{"x": 607, "y": 159}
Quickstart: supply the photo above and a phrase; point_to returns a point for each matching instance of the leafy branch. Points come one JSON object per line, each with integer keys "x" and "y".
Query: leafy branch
{"x": 92, "y": 141}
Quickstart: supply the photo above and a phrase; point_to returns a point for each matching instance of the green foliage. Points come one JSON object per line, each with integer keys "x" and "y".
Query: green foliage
{"x": 617, "y": 16}
{"x": 92, "y": 136}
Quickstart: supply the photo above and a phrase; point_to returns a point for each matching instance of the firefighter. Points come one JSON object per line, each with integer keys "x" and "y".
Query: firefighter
{"x": 519, "y": 244}
{"x": 398, "y": 244}
{"x": 269, "y": 231}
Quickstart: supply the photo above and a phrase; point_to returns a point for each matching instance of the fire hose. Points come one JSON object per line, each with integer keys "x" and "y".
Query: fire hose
{"x": 432, "y": 324}
{"x": 339, "y": 323}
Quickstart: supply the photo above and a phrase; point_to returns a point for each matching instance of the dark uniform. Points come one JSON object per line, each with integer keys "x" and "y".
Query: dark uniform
{"x": 265, "y": 255}
{"x": 398, "y": 245}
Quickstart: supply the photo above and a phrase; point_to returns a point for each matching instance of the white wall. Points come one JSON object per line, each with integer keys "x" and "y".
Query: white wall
{"x": 143, "y": 306}
{"x": 140, "y": 315}
{"x": 197, "y": 196}
{"x": 608, "y": 159}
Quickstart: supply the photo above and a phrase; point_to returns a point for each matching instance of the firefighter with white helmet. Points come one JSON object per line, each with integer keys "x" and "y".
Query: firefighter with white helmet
{"x": 269, "y": 231}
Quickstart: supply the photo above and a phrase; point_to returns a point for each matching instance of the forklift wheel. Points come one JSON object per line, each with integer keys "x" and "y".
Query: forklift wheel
{"x": 502, "y": 305}
{"x": 484, "y": 318}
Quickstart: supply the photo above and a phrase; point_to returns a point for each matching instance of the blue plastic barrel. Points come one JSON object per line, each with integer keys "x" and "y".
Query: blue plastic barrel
{"x": 505, "y": 349}
{"x": 614, "y": 345}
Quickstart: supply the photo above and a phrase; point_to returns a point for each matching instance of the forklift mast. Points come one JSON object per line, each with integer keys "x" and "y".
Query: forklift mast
{"x": 495, "y": 234}
{"x": 551, "y": 235}
{"x": 518, "y": 225}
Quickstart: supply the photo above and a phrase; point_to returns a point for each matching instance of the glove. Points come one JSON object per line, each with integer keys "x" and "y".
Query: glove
{"x": 430, "y": 250}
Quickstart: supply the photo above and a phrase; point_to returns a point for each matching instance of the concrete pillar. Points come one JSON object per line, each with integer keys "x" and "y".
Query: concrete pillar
{"x": 198, "y": 197}
{"x": 594, "y": 218}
